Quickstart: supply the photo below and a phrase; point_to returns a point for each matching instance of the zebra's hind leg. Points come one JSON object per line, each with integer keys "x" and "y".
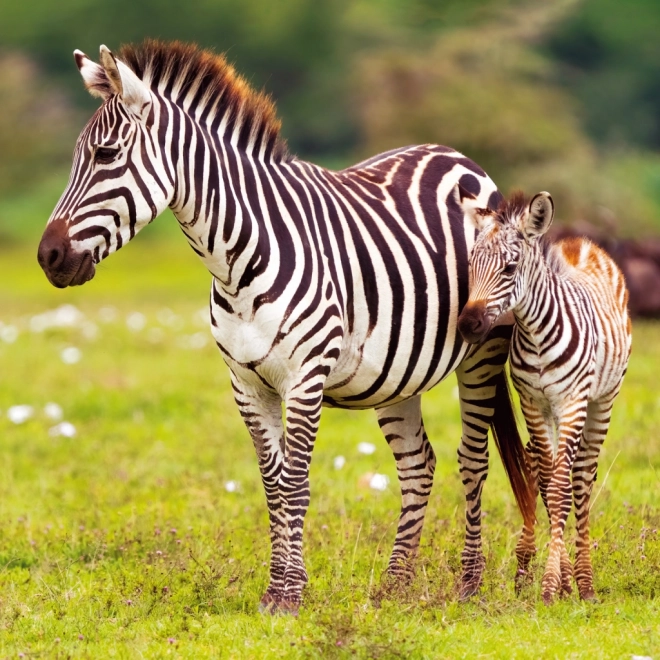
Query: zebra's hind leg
{"x": 584, "y": 475}
{"x": 404, "y": 431}
{"x": 559, "y": 493}
{"x": 262, "y": 414}
{"x": 477, "y": 387}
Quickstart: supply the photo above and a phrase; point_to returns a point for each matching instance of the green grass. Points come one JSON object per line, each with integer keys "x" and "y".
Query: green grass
{"x": 124, "y": 542}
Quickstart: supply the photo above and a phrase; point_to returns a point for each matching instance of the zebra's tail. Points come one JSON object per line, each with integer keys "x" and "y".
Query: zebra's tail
{"x": 510, "y": 446}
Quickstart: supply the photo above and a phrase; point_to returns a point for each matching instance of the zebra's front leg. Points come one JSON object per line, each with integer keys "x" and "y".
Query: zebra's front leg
{"x": 262, "y": 413}
{"x": 584, "y": 475}
{"x": 540, "y": 458}
{"x": 403, "y": 429}
{"x": 477, "y": 388}
{"x": 560, "y": 495}
{"x": 303, "y": 413}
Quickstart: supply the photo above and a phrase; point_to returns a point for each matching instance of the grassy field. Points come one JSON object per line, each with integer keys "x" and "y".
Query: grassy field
{"x": 145, "y": 534}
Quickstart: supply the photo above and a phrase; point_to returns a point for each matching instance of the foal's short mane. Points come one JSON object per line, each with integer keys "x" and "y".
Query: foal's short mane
{"x": 184, "y": 71}
{"x": 512, "y": 207}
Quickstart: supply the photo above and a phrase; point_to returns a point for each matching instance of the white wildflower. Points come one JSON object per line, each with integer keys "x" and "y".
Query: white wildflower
{"x": 65, "y": 429}
{"x": 339, "y": 462}
{"x": 379, "y": 482}
{"x": 366, "y": 448}
{"x": 53, "y": 411}
{"x": 20, "y": 414}
{"x": 70, "y": 355}
{"x": 136, "y": 321}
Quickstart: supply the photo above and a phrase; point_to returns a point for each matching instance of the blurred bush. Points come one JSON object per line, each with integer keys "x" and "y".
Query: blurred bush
{"x": 490, "y": 92}
{"x": 37, "y": 124}
{"x": 562, "y": 95}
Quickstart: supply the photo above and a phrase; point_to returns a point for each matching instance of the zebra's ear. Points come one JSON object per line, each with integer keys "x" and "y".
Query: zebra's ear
{"x": 93, "y": 76}
{"x": 479, "y": 216}
{"x": 539, "y": 216}
{"x": 133, "y": 92}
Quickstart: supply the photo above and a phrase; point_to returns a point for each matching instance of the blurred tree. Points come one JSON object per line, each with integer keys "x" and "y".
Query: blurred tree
{"x": 610, "y": 52}
{"x": 490, "y": 93}
{"x": 37, "y": 126}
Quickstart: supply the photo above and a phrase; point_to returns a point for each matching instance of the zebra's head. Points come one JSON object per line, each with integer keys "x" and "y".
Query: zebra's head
{"x": 119, "y": 181}
{"x": 499, "y": 263}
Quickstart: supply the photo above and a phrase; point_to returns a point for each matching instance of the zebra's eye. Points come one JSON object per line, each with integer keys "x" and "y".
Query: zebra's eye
{"x": 105, "y": 154}
{"x": 509, "y": 269}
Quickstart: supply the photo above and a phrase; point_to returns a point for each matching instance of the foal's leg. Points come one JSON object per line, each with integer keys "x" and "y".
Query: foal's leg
{"x": 584, "y": 475}
{"x": 559, "y": 493}
{"x": 540, "y": 457}
{"x": 262, "y": 413}
{"x": 404, "y": 431}
{"x": 477, "y": 387}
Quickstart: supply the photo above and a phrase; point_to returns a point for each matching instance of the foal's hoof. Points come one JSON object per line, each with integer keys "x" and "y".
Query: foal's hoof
{"x": 588, "y": 594}
{"x": 548, "y": 597}
{"x": 287, "y": 606}
{"x": 469, "y": 588}
{"x": 269, "y": 604}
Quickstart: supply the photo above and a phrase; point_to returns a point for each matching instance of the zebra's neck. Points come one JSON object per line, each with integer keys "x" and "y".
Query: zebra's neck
{"x": 534, "y": 311}
{"x": 222, "y": 201}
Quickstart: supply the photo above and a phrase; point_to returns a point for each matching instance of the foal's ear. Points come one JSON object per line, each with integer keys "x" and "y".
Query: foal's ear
{"x": 539, "y": 215}
{"x": 479, "y": 216}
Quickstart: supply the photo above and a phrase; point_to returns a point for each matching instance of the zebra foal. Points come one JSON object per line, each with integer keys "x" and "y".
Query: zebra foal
{"x": 569, "y": 353}
{"x": 328, "y": 288}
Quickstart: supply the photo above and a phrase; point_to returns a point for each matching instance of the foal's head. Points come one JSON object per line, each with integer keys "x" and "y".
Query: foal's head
{"x": 506, "y": 237}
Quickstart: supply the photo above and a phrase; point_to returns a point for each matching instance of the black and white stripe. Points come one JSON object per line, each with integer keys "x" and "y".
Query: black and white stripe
{"x": 329, "y": 288}
{"x": 569, "y": 353}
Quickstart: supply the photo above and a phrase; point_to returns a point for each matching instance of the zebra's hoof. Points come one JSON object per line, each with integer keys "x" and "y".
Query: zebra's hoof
{"x": 287, "y": 606}
{"x": 588, "y": 594}
{"x": 269, "y": 604}
{"x": 548, "y": 597}
{"x": 469, "y": 588}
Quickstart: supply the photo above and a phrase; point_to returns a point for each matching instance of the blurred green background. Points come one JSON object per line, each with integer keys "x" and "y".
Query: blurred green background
{"x": 561, "y": 95}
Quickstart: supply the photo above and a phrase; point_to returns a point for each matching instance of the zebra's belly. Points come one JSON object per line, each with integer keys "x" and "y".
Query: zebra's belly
{"x": 369, "y": 375}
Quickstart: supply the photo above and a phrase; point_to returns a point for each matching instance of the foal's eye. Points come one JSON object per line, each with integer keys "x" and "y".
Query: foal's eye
{"x": 105, "y": 154}
{"x": 509, "y": 269}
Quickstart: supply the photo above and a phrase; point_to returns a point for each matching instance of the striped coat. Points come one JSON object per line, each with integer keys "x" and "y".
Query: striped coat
{"x": 569, "y": 354}
{"x": 328, "y": 288}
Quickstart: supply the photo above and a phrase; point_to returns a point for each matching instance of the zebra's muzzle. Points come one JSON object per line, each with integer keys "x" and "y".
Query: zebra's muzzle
{"x": 61, "y": 264}
{"x": 474, "y": 322}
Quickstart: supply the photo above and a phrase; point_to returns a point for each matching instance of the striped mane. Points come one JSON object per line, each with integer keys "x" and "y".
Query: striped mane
{"x": 201, "y": 79}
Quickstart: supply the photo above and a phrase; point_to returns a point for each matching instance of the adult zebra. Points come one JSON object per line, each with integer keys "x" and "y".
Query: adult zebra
{"x": 336, "y": 288}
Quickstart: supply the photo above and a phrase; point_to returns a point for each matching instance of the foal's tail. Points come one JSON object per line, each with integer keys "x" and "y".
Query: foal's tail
{"x": 509, "y": 444}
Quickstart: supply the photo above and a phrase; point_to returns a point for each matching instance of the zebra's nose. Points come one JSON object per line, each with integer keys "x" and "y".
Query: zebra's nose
{"x": 51, "y": 253}
{"x": 473, "y": 322}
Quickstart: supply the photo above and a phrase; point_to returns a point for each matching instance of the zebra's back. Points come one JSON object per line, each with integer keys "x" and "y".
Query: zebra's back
{"x": 595, "y": 272}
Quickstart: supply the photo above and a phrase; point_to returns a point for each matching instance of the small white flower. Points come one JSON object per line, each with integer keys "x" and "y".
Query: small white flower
{"x": 366, "y": 448}
{"x": 107, "y": 314}
{"x": 89, "y": 330}
{"x": 379, "y": 482}
{"x": 71, "y": 355}
{"x": 231, "y": 486}
{"x": 339, "y": 462}
{"x": 454, "y": 393}
{"x": 201, "y": 317}
{"x": 136, "y": 321}
{"x": 53, "y": 411}
{"x": 167, "y": 317}
{"x": 8, "y": 333}
{"x": 155, "y": 335}
{"x": 65, "y": 429}
{"x": 20, "y": 414}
